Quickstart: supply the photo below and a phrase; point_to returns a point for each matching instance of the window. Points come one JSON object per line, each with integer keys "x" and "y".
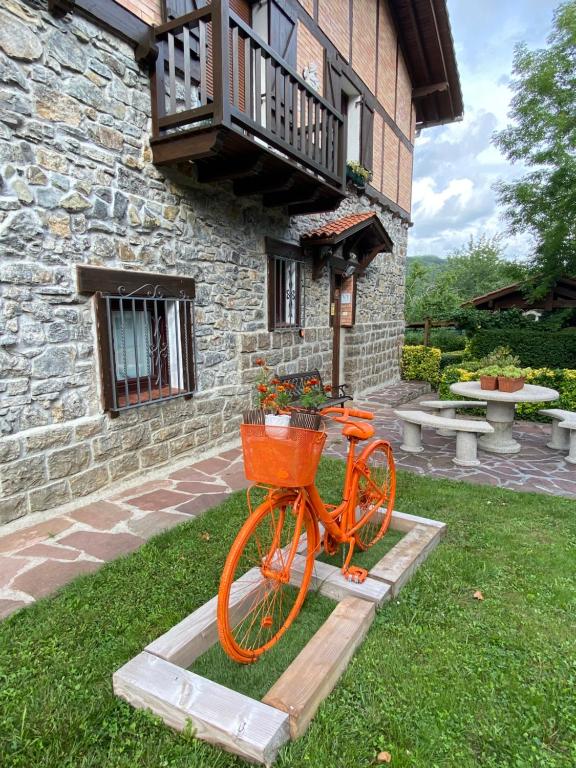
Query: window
{"x": 145, "y": 329}
{"x": 285, "y": 286}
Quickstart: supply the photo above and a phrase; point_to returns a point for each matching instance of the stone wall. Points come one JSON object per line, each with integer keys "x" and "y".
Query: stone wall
{"x": 77, "y": 186}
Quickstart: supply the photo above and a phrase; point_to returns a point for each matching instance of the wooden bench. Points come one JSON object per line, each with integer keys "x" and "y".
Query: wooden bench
{"x": 298, "y": 380}
{"x": 447, "y": 408}
{"x": 559, "y": 438}
{"x": 467, "y": 431}
{"x": 570, "y": 428}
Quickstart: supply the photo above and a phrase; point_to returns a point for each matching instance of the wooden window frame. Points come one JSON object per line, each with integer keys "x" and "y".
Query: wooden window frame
{"x": 151, "y": 293}
{"x": 277, "y": 251}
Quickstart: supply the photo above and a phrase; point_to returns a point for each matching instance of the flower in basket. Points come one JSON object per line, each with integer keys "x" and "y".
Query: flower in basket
{"x": 272, "y": 394}
{"x": 313, "y": 394}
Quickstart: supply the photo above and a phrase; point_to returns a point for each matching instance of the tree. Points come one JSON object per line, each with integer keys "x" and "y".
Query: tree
{"x": 480, "y": 267}
{"x": 474, "y": 269}
{"x": 543, "y": 137}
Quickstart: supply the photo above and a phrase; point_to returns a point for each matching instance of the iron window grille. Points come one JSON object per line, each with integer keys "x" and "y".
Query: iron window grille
{"x": 285, "y": 292}
{"x": 147, "y": 346}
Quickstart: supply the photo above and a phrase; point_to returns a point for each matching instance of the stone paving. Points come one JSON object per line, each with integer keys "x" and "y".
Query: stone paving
{"x": 535, "y": 468}
{"x": 37, "y": 559}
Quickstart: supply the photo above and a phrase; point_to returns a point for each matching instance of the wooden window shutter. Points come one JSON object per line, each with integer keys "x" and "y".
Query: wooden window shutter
{"x": 332, "y": 80}
{"x": 367, "y": 134}
{"x": 173, "y": 9}
{"x": 282, "y": 32}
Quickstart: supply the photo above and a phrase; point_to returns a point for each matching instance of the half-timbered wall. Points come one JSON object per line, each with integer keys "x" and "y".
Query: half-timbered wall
{"x": 364, "y": 34}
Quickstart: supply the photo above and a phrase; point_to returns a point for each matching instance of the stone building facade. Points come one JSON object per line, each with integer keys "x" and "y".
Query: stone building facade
{"x": 78, "y": 186}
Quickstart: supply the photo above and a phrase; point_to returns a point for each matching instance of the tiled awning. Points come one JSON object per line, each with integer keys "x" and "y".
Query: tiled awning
{"x": 353, "y": 239}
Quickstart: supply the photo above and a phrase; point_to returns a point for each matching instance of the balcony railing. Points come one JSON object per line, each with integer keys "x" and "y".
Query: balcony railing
{"x": 213, "y": 71}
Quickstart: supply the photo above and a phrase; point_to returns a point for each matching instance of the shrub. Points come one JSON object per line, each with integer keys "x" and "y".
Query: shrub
{"x": 563, "y": 380}
{"x": 446, "y": 339}
{"x": 536, "y": 349}
{"x": 421, "y": 364}
{"x": 452, "y": 358}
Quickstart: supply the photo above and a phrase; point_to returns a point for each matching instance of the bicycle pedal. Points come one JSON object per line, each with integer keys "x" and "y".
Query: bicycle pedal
{"x": 355, "y": 574}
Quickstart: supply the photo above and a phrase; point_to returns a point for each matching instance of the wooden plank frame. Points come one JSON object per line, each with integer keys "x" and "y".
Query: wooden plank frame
{"x": 158, "y": 679}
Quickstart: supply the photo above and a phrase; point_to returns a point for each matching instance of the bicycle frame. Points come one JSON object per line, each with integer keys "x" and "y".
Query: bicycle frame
{"x": 340, "y": 523}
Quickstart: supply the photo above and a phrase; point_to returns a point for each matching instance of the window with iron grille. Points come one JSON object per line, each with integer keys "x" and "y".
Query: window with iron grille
{"x": 145, "y": 329}
{"x": 285, "y": 286}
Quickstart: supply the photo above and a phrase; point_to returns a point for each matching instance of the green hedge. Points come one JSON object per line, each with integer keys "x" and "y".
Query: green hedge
{"x": 452, "y": 358}
{"x": 421, "y": 364}
{"x": 446, "y": 339}
{"x": 563, "y": 380}
{"x": 536, "y": 349}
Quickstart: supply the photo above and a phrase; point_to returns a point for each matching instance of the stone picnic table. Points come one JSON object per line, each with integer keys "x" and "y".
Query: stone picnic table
{"x": 500, "y": 411}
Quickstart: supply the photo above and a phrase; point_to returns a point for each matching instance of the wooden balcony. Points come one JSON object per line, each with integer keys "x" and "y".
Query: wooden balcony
{"x": 223, "y": 98}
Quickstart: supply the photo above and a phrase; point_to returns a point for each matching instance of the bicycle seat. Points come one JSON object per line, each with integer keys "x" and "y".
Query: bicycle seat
{"x": 358, "y": 430}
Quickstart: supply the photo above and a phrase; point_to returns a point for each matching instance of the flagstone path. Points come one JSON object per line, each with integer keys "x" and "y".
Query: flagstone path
{"x": 38, "y": 558}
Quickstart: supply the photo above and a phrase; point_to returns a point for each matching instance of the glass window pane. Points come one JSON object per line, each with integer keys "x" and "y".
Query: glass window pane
{"x": 131, "y": 334}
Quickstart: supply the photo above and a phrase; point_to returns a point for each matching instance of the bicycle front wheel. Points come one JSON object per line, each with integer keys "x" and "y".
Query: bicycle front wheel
{"x": 376, "y": 492}
{"x": 256, "y": 604}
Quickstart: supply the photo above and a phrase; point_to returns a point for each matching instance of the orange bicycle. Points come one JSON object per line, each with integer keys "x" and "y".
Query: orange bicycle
{"x": 260, "y": 595}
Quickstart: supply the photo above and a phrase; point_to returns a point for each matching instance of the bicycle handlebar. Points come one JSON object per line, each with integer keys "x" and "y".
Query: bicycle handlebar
{"x": 346, "y": 413}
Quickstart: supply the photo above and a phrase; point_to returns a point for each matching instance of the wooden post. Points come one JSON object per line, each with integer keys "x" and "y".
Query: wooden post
{"x": 427, "y": 326}
{"x": 221, "y": 61}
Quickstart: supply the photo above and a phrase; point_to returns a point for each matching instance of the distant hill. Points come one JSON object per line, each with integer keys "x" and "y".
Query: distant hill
{"x": 434, "y": 263}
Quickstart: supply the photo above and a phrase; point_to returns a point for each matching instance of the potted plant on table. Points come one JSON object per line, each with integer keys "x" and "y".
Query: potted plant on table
{"x": 489, "y": 377}
{"x": 511, "y": 379}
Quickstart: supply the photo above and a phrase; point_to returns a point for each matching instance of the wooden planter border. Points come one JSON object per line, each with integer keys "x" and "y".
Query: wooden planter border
{"x": 158, "y": 678}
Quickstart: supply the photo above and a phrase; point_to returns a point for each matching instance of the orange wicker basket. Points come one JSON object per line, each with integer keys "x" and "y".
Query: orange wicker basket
{"x": 283, "y": 456}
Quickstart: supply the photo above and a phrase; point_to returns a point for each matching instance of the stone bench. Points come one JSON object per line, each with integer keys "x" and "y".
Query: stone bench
{"x": 569, "y": 428}
{"x": 467, "y": 431}
{"x": 559, "y": 439}
{"x": 447, "y": 408}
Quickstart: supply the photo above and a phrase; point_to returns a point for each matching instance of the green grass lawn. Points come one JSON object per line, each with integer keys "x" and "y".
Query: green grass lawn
{"x": 441, "y": 680}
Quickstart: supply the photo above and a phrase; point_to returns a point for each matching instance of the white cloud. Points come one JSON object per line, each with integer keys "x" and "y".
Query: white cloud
{"x": 456, "y": 165}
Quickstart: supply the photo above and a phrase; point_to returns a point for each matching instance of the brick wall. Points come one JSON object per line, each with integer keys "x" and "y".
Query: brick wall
{"x": 403, "y": 97}
{"x": 334, "y": 20}
{"x": 309, "y": 51}
{"x": 387, "y": 45}
{"x": 308, "y": 5}
{"x": 405, "y": 179}
{"x": 378, "y": 151}
{"x": 364, "y": 41}
{"x": 147, "y": 10}
{"x": 390, "y": 175}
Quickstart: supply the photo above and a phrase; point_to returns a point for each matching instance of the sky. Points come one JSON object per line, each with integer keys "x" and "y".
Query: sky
{"x": 456, "y": 165}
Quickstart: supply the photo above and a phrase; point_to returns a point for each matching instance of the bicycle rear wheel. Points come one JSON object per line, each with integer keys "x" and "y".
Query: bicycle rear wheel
{"x": 254, "y": 612}
{"x": 376, "y": 492}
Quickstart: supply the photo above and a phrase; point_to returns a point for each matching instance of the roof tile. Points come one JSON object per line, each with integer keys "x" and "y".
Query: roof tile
{"x": 337, "y": 226}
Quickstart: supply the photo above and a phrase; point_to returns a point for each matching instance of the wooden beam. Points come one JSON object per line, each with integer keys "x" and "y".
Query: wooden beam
{"x": 426, "y": 90}
{"x": 107, "y": 14}
{"x": 404, "y": 522}
{"x": 228, "y": 168}
{"x": 330, "y": 582}
{"x": 92, "y": 279}
{"x": 315, "y": 671}
{"x": 218, "y": 715}
{"x": 399, "y": 564}
{"x": 198, "y": 632}
{"x": 281, "y": 181}
{"x": 297, "y": 194}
